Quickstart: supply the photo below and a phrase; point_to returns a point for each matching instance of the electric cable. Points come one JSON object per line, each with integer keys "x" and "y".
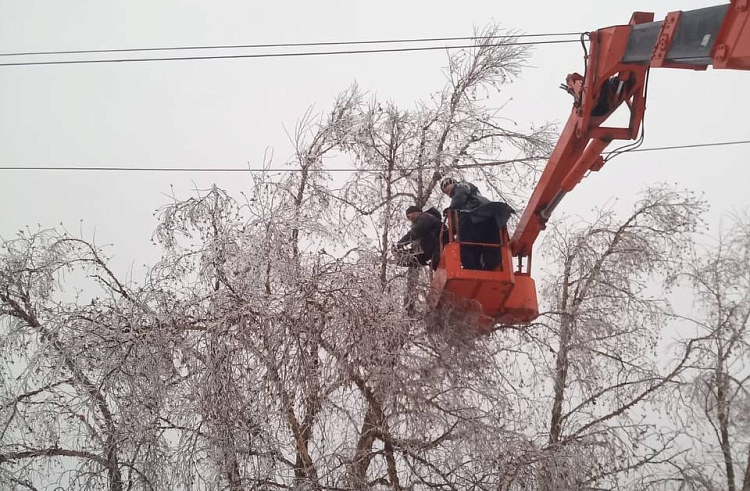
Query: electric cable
{"x": 630, "y": 147}
{"x": 275, "y": 55}
{"x": 287, "y": 45}
{"x": 334, "y": 169}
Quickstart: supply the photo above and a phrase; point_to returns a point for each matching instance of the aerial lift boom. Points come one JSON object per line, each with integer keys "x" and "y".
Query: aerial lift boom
{"x": 617, "y": 63}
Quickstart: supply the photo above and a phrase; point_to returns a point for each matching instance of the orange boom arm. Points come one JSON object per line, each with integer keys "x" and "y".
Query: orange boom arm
{"x": 617, "y": 65}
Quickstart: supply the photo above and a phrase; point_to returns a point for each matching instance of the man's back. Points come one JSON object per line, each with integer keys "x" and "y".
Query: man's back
{"x": 426, "y": 224}
{"x": 466, "y": 197}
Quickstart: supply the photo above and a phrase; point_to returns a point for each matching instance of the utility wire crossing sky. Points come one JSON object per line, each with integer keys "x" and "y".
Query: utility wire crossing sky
{"x": 288, "y": 45}
{"x": 283, "y": 169}
{"x": 281, "y": 45}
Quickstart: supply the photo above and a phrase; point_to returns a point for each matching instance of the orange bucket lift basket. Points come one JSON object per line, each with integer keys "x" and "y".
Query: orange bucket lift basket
{"x": 486, "y": 297}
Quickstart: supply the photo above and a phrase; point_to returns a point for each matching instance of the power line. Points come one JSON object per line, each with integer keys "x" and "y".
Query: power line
{"x": 288, "y": 169}
{"x": 277, "y": 55}
{"x": 287, "y": 45}
{"x": 695, "y": 145}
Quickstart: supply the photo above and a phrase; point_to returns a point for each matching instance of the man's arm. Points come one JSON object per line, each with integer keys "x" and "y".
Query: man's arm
{"x": 461, "y": 193}
{"x": 407, "y": 238}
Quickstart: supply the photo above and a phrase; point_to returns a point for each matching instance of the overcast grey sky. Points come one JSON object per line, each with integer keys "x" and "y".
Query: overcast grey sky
{"x": 225, "y": 113}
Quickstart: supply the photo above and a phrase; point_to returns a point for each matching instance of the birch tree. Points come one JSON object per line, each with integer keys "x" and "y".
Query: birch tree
{"x": 713, "y": 405}
{"x": 600, "y": 337}
{"x": 402, "y": 154}
{"x": 78, "y": 405}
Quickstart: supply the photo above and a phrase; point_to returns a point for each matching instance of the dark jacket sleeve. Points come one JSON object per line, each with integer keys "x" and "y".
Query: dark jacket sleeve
{"x": 406, "y": 238}
{"x": 461, "y": 193}
{"x": 425, "y": 225}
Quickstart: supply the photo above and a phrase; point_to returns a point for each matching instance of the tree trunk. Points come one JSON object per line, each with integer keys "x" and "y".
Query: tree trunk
{"x": 386, "y": 226}
{"x": 561, "y": 376}
{"x": 363, "y": 453}
{"x": 722, "y": 414}
{"x": 298, "y": 199}
{"x": 233, "y": 475}
{"x": 410, "y": 297}
{"x": 113, "y": 467}
{"x": 746, "y": 481}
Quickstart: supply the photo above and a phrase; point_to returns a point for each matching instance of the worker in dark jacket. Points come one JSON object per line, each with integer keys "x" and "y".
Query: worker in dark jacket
{"x": 479, "y": 220}
{"x": 464, "y": 195}
{"x": 425, "y": 234}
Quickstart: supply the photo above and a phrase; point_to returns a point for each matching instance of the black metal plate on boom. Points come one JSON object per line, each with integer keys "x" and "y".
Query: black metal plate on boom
{"x": 692, "y": 43}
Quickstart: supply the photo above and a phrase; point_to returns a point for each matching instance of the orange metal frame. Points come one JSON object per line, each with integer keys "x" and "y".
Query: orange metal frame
{"x": 499, "y": 295}
{"x": 732, "y": 47}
